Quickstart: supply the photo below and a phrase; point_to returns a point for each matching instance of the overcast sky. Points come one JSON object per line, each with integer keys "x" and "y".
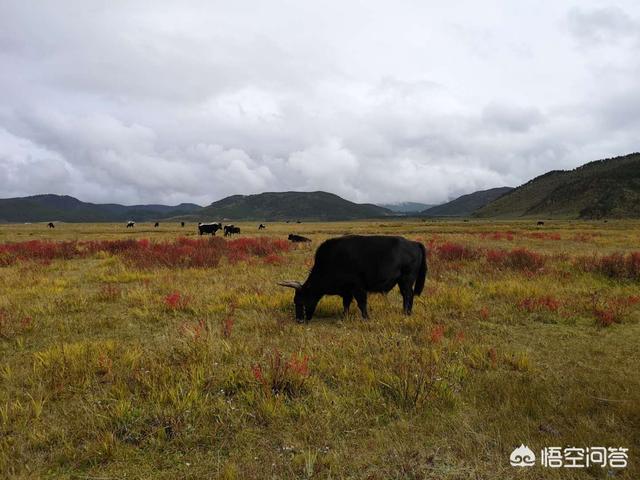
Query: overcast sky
{"x": 377, "y": 101}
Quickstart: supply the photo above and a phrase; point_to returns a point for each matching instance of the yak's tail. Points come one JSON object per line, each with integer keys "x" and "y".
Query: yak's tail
{"x": 422, "y": 273}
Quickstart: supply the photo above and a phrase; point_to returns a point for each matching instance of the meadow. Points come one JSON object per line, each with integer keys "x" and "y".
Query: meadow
{"x": 156, "y": 353}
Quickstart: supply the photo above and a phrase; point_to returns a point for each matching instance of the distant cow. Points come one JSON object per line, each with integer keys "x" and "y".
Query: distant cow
{"x": 298, "y": 238}
{"x": 261, "y": 227}
{"x": 182, "y": 224}
{"x": 157, "y": 224}
{"x": 230, "y": 230}
{"x": 131, "y": 224}
{"x": 353, "y": 265}
{"x": 51, "y": 225}
{"x": 540, "y": 222}
{"x": 211, "y": 228}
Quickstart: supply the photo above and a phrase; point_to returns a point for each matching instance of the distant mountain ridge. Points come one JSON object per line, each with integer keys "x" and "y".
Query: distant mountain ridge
{"x": 291, "y": 206}
{"x": 263, "y": 206}
{"x": 603, "y": 188}
{"x": 405, "y": 207}
{"x": 465, "y": 205}
{"x": 50, "y": 207}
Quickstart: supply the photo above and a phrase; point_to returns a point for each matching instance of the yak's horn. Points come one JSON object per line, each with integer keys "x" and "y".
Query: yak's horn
{"x": 290, "y": 284}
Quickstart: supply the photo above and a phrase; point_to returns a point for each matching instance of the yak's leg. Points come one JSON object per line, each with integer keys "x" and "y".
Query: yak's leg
{"x": 407, "y": 295}
{"x": 347, "y": 298}
{"x": 361, "y": 298}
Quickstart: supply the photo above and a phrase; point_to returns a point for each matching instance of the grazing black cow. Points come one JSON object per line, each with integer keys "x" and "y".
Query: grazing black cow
{"x": 230, "y": 230}
{"x": 51, "y": 225}
{"x": 211, "y": 228}
{"x": 353, "y": 265}
{"x": 540, "y": 222}
{"x": 157, "y": 224}
{"x": 298, "y": 221}
{"x": 182, "y": 224}
{"x": 261, "y": 227}
{"x": 298, "y": 238}
{"x": 131, "y": 224}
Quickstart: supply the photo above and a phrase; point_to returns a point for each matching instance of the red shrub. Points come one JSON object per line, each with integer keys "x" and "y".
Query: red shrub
{"x": 496, "y": 257}
{"x": 605, "y": 318}
{"x": 282, "y": 376}
{"x": 497, "y": 236}
{"x": 517, "y": 259}
{"x": 540, "y": 303}
{"x": 523, "y": 259}
{"x": 617, "y": 265}
{"x": 437, "y": 333}
{"x": 484, "y": 313}
{"x": 453, "y": 251}
{"x": 612, "y": 310}
{"x": 177, "y": 301}
{"x": 228, "y": 322}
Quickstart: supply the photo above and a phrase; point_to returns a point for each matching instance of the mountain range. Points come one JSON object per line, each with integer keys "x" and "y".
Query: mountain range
{"x": 604, "y": 188}
{"x": 405, "y": 207}
{"x": 466, "y": 204}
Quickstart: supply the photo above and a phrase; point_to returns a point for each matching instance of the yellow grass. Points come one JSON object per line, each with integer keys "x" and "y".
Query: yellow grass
{"x": 106, "y": 381}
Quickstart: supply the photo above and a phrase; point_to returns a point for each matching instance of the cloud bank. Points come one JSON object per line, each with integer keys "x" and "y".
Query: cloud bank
{"x": 138, "y": 102}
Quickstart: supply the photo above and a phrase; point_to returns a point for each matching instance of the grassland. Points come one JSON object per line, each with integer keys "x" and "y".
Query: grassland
{"x": 113, "y": 365}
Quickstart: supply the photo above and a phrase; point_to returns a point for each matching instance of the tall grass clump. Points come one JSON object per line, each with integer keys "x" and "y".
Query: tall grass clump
{"x": 281, "y": 376}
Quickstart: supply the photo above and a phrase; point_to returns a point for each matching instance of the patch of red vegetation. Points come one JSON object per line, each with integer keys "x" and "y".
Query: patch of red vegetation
{"x": 612, "y": 310}
{"x": 177, "y": 301}
{"x": 543, "y": 235}
{"x": 532, "y": 304}
{"x": 617, "y": 265}
{"x": 450, "y": 251}
{"x": 484, "y": 313}
{"x": 282, "y": 376}
{"x": 509, "y": 236}
{"x": 517, "y": 259}
{"x": 181, "y": 253}
{"x": 436, "y": 334}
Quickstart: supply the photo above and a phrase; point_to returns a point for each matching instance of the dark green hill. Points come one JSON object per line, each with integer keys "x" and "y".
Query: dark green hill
{"x": 47, "y": 208}
{"x": 604, "y": 188}
{"x": 290, "y": 206}
{"x": 466, "y": 204}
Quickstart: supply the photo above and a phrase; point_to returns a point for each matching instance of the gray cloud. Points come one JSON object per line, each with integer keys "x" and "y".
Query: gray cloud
{"x": 165, "y": 102}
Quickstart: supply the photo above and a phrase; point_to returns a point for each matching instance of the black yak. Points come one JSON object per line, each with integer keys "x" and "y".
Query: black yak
{"x": 298, "y": 238}
{"x": 261, "y": 227}
{"x": 230, "y": 230}
{"x": 131, "y": 224}
{"x": 211, "y": 228}
{"x": 353, "y": 265}
{"x": 156, "y": 225}
{"x": 540, "y": 222}
{"x": 182, "y": 224}
{"x": 51, "y": 225}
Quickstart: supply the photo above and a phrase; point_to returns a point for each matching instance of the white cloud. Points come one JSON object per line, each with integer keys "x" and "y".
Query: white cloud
{"x": 162, "y": 102}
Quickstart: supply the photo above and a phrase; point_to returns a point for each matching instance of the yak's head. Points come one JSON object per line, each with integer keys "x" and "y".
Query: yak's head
{"x": 304, "y": 300}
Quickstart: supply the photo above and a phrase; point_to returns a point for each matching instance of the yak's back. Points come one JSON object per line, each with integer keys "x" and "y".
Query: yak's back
{"x": 358, "y": 252}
